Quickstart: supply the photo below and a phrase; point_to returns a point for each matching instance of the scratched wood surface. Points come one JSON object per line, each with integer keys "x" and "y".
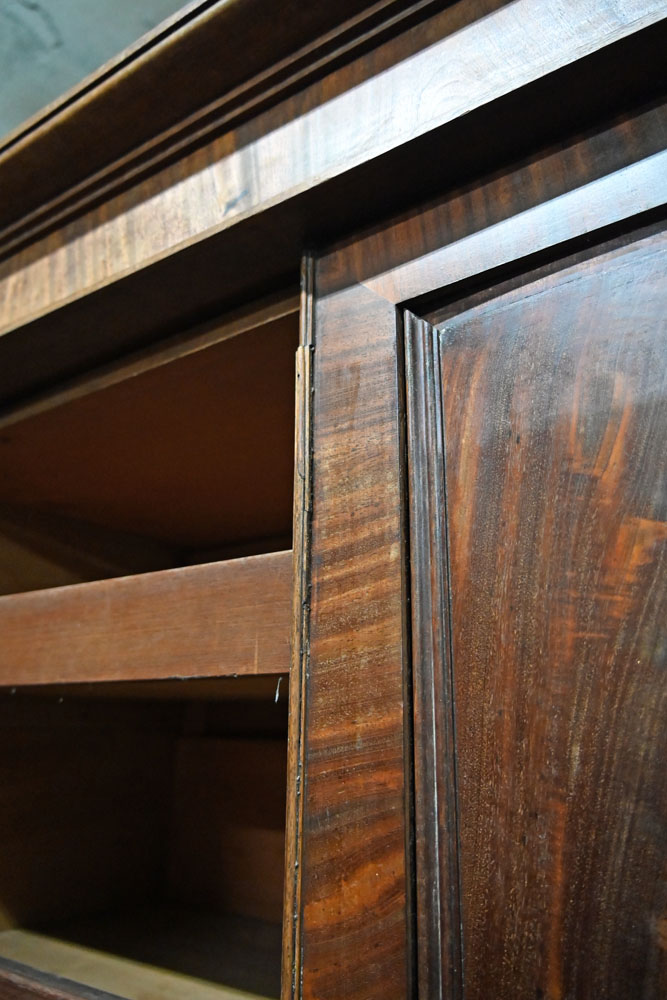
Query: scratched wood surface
{"x": 555, "y": 403}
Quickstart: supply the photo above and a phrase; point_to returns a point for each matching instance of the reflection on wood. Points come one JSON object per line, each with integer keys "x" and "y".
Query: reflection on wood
{"x": 555, "y": 413}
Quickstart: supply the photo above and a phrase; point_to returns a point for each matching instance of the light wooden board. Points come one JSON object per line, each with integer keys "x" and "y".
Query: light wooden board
{"x": 214, "y": 620}
{"x": 132, "y": 980}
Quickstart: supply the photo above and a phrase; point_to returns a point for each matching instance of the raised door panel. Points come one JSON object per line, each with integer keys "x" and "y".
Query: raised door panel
{"x": 552, "y": 392}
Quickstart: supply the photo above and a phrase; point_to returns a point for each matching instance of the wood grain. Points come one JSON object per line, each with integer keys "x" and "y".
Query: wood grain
{"x": 211, "y": 620}
{"x": 260, "y": 252}
{"x": 555, "y": 401}
{"x": 355, "y": 825}
{"x": 558, "y": 193}
{"x": 108, "y": 128}
{"x": 491, "y": 48}
{"x": 360, "y": 283}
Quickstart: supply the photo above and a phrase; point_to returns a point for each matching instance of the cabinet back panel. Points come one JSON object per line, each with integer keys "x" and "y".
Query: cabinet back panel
{"x": 84, "y": 806}
{"x": 194, "y": 454}
{"x": 112, "y": 803}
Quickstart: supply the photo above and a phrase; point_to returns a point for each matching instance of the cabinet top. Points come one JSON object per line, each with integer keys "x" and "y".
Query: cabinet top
{"x": 206, "y": 66}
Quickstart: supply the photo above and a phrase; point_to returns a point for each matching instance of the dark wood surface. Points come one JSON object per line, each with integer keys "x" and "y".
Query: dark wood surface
{"x": 233, "y": 238}
{"x": 220, "y": 618}
{"x": 555, "y": 409}
{"x": 355, "y": 922}
{"x": 455, "y": 109}
{"x": 436, "y": 826}
{"x": 214, "y": 64}
{"x": 86, "y": 790}
{"x": 560, "y": 193}
{"x": 135, "y": 830}
{"x": 227, "y": 849}
{"x": 562, "y": 199}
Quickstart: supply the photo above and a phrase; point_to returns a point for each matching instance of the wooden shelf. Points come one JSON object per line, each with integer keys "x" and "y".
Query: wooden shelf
{"x": 160, "y": 952}
{"x": 141, "y": 845}
{"x": 218, "y": 619}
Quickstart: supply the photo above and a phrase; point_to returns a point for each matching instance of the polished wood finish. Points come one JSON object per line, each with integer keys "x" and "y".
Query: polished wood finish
{"x": 608, "y": 188}
{"x": 555, "y": 409}
{"x": 220, "y": 618}
{"x": 531, "y": 139}
{"x": 88, "y": 159}
{"x": 245, "y": 205}
{"x": 438, "y": 896}
{"x": 561, "y": 193}
{"x": 356, "y": 803}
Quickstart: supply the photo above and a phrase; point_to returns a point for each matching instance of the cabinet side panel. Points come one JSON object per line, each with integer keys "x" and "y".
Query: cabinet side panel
{"x": 555, "y": 397}
{"x": 355, "y": 915}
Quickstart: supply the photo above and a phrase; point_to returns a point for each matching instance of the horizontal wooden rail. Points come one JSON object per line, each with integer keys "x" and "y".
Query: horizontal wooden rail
{"x": 218, "y": 619}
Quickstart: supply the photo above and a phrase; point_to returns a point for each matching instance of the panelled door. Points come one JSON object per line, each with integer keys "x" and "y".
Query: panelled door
{"x": 540, "y": 511}
{"x": 483, "y": 758}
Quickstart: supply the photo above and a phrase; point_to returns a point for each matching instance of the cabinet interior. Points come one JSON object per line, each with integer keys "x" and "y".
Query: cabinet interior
{"x": 142, "y": 835}
{"x": 185, "y": 459}
{"x": 142, "y": 822}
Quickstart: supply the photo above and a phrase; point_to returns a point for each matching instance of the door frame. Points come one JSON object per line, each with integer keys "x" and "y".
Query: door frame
{"x": 367, "y": 917}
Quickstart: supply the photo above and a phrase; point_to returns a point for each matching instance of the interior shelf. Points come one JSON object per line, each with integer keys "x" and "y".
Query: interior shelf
{"x": 176, "y": 954}
{"x": 142, "y": 836}
{"x": 221, "y": 618}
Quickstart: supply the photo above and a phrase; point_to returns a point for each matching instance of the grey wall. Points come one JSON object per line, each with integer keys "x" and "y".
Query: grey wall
{"x": 47, "y": 46}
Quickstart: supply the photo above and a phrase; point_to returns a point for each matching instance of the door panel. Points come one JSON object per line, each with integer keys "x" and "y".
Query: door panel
{"x": 555, "y": 410}
{"x": 480, "y": 779}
